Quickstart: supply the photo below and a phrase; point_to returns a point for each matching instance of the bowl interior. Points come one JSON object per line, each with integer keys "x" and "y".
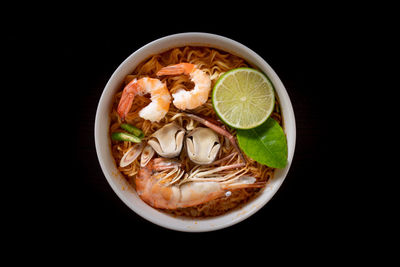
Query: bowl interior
{"x": 121, "y": 186}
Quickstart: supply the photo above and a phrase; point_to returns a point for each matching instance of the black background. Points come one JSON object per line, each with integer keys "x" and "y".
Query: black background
{"x": 301, "y": 204}
{"x": 70, "y": 61}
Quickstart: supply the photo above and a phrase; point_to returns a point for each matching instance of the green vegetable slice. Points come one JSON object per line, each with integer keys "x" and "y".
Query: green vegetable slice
{"x": 132, "y": 129}
{"x": 265, "y": 144}
{"x": 125, "y": 137}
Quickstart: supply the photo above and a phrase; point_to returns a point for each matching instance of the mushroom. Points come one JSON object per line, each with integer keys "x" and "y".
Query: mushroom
{"x": 131, "y": 155}
{"x": 168, "y": 140}
{"x": 147, "y": 155}
{"x": 202, "y": 145}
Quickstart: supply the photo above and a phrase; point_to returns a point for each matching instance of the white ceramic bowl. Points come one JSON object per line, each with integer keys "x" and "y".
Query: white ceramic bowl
{"x": 103, "y": 144}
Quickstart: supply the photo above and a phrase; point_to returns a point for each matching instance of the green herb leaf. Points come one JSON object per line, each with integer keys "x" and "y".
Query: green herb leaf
{"x": 265, "y": 144}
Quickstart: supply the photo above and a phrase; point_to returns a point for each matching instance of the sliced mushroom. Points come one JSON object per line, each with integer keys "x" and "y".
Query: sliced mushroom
{"x": 168, "y": 140}
{"x": 147, "y": 154}
{"x": 202, "y": 145}
{"x": 131, "y": 155}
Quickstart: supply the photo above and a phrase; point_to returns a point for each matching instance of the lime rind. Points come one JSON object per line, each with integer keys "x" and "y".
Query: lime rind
{"x": 230, "y": 94}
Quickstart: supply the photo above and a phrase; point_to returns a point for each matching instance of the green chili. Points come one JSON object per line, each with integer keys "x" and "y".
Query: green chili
{"x": 132, "y": 129}
{"x": 125, "y": 137}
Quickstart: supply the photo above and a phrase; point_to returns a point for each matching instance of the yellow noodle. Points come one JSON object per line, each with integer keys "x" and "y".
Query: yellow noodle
{"x": 215, "y": 63}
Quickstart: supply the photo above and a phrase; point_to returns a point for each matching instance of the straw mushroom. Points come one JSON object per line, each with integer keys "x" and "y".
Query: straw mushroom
{"x": 147, "y": 155}
{"x": 168, "y": 140}
{"x": 202, "y": 145}
{"x": 131, "y": 155}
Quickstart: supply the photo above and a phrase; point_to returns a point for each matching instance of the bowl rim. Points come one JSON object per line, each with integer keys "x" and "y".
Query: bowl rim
{"x": 220, "y": 42}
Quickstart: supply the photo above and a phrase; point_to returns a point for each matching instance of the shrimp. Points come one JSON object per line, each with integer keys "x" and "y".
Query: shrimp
{"x": 198, "y": 95}
{"x": 160, "y": 98}
{"x": 153, "y": 187}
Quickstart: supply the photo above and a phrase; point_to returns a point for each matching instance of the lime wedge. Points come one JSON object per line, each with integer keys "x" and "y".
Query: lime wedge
{"x": 243, "y": 98}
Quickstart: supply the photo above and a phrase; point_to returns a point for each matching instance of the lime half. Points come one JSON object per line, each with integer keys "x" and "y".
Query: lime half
{"x": 243, "y": 98}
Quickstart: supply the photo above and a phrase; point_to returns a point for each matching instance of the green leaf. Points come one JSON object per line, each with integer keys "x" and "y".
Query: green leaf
{"x": 265, "y": 144}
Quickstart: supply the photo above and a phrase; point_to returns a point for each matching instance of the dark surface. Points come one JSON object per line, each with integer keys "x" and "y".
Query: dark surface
{"x": 333, "y": 207}
{"x": 76, "y": 204}
{"x": 298, "y": 208}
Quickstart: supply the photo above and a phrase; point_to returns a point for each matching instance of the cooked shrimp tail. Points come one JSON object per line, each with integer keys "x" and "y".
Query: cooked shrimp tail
{"x": 128, "y": 94}
{"x": 160, "y": 98}
{"x": 202, "y": 85}
{"x": 182, "y": 68}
